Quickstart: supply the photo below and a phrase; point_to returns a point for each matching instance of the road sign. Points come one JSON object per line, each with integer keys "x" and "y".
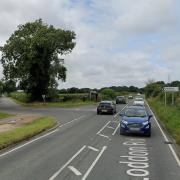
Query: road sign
{"x": 171, "y": 89}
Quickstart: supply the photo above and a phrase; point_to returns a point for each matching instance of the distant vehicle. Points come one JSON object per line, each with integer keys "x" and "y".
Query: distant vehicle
{"x": 108, "y": 107}
{"x": 130, "y": 97}
{"x": 135, "y": 120}
{"x": 138, "y": 101}
{"x": 120, "y": 100}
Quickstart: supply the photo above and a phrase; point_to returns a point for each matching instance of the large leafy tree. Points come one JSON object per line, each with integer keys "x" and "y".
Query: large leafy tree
{"x": 31, "y": 56}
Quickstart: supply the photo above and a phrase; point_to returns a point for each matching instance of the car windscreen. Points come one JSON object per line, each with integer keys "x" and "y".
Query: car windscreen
{"x": 138, "y": 99}
{"x": 135, "y": 113}
{"x": 120, "y": 98}
{"x": 105, "y": 104}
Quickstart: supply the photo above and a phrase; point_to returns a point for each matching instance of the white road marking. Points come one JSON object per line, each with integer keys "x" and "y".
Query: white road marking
{"x": 36, "y": 139}
{"x": 103, "y": 127}
{"x": 120, "y": 111}
{"x": 115, "y": 121}
{"x": 145, "y": 178}
{"x": 72, "y": 121}
{"x": 92, "y": 148}
{"x": 94, "y": 163}
{"x": 110, "y": 127}
{"x": 102, "y": 135}
{"x": 165, "y": 137}
{"x": 75, "y": 171}
{"x": 116, "y": 129}
{"x": 65, "y": 165}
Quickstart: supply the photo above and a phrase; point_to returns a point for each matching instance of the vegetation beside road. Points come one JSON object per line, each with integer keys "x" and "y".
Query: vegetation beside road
{"x": 26, "y": 131}
{"x": 170, "y": 116}
{"x": 69, "y": 100}
{"x": 5, "y": 115}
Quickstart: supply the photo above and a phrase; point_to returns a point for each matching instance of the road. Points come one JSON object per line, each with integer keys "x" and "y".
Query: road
{"x": 87, "y": 146}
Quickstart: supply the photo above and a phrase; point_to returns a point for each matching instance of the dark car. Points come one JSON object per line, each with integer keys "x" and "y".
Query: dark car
{"x": 108, "y": 107}
{"x": 135, "y": 120}
{"x": 120, "y": 100}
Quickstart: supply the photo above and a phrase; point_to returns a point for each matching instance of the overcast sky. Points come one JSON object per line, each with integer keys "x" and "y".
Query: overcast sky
{"x": 119, "y": 42}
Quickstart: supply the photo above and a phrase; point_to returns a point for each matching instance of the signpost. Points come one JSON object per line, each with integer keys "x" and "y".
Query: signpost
{"x": 170, "y": 90}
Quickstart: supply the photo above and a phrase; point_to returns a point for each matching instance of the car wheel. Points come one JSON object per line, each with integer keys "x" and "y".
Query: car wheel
{"x": 98, "y": 113}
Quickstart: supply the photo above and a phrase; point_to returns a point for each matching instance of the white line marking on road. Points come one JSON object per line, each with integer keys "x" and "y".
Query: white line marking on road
{"x": 75, "y": 171}
{"x": 36, "y": 139}
{"x": 92, "y": 148}
{"x": 115, "y": 121}
{"x": 145, "y": 178}
{"x": 94, "y": 163}
{"x": 103, "y": 127}
{"x": 116, "y": 129}
{"x": 165, "y": 137}
{"x": 110, "y": 127}
{"x": 72, "y": 121}
{"x": 120, "y": 111}
{"x": 65, "y": 165}
{"x": 102, "y": 135}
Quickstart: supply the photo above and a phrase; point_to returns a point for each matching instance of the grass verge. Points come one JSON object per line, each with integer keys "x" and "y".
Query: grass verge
{"x": 67, "y": 104}
{"x": 170, "y": 116}
{"x": 26, "y": 131}
{"x": 70, "y": 103}
{"x": 5, "y": 115}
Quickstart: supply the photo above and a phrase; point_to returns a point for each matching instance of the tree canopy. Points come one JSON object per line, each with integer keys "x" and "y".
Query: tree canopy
{"x": 31, "y": 56}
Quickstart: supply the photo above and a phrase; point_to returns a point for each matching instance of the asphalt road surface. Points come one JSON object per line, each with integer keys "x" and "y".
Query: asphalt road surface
{"x": 88, "y": 146}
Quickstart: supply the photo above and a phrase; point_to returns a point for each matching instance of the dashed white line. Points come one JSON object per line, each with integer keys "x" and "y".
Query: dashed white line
{"x": 116, "y": 129}
{"x": 92, "y": 148}
{"x": 94, "y": 163}
{"x": 65, "y": 165}
{"x": 72, "y": 121}
{"x": 165, "y": 137}
{"x": 103, "y": 127}
{"x": 145, "y": 178}
{"x": 75, "y": 171}
{"x": 34, "y": 140}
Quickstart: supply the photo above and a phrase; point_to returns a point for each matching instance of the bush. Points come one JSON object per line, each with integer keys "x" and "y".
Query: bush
{"x": 108, "y": 94}
{"x": 74, "y": 97}
{"x": 20, "y": 96}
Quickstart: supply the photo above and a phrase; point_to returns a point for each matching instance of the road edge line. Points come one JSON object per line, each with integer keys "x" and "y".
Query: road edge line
{"x": 165, "y": 137}
{"x": 40, "y": 137}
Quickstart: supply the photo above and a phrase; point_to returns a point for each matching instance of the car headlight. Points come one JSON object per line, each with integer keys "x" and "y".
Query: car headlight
{"x": 124, "y": 122}
{"x": 145, "y": 123}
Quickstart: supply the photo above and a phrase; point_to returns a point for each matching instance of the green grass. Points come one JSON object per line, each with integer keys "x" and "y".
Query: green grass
{"x": 20, "y": 96}
{"x": 70, "y": 103}
{"x": 170, "y": 116}
{"x": 26, "y": 131}
{"x": 56, "y": 104}
{"x": 5, "y": 115}
{"x": 22, "y": 99}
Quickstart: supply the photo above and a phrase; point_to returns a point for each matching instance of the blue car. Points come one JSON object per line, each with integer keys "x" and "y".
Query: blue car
{"x": 135, "y": 120}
